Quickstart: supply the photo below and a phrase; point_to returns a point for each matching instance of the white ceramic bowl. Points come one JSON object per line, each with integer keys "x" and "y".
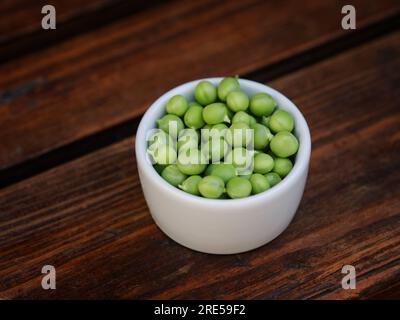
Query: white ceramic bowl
{"x": 223, "y": 226}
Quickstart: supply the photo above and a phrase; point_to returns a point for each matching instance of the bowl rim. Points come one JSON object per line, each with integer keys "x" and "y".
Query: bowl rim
{"x": 300, "y": 165}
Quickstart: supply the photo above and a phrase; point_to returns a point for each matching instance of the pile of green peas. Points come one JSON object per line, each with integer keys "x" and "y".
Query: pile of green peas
{"x": 214, "y": 163}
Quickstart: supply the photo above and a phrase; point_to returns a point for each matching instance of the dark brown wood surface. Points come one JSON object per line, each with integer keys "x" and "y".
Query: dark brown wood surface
{"x": 101, "y": 78}
{"x": 21, "y": 30}
{"x": 88, "y": 218}
{"x": 23, "y": 17}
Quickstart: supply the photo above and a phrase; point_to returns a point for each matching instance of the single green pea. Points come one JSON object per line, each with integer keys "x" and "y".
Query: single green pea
{"x": 282, "y": 166}
{"x": 227, "y": 85}
{"x": 263, "y": 163}
{"x": 224, "y": 170}
{"x": 238, "y": 187}
{"x": 191, "y": 162}
{"x": 259, "y": 183}
{"x": 215, "y": 113}
{"x": 281, "y": 120}
{"x": 211, "y": 187}
{"x": 194, "y": 117}
{"x": 284, "y": 144}
{"x": 243, "y": 116}
{"x": 239, "y": 134}
{"x": 163, "y": 154}
{"x": 205, "y": 93}
{"x": 171, "y": 124}
{"x": 241, "y": 159}
{"x": 191, "y": 185}
{"x": 177, "y": 105}
{"x": 273, "y": 178}
{"x": 237, "y": 101}
{"x": 215, "y": 149}
{"x": 261, "y": 136}
{"x": 172, "y": 175}
{"x": 262, "y": 104}
{"x": 188, "y": 138}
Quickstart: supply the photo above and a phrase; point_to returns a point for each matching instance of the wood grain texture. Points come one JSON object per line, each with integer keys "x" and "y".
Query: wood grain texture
{"x": 89, "y": 219}
{"x": 102, "y": 78}
{"x": 23, "y": 17}
{"x": 21, "y": 30}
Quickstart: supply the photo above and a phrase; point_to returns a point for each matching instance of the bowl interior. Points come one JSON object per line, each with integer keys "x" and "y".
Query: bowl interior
{"x": 157, "y": 110}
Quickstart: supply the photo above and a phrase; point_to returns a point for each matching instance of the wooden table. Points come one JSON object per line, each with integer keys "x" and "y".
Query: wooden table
{"x": 71, "y": 99}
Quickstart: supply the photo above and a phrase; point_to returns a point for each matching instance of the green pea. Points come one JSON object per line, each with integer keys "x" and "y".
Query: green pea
{"x": 227, "y": 85}
{"x": 194, "y": 117}
{"x": 171, "y": 124}
{"x": 215, "y": 149}
{"x": 172, "y": 175}
{"x": 238, "y": 187}
{"x": 191, "y": 185}
{"x": 224, "y": 170}
{"x": 237, "y": 101}
{"x": 191, "y": 162}
{"x": 262, "y": 104}
{"x": 281, "y": 120}
{"x": 241, "y": 159}
{"x": 259, "y": 183}
{"x": 273, "y": 178}
{"x": 215, "y": 113}
{"x": 188, "y": 138}
{"x": 163, "y": 154}
{"x": 211, "y": 187}
{"x": 284, "y": 144}
{"x": 205, "y": 93}
{"x": 261, "y": 136}
{"x": 243, "y": 116}
{"x": 263, "y": 163}
{"x": 282, "y": 166}
{"x": 239, "y": 134}
{"x": 177, "y": 105}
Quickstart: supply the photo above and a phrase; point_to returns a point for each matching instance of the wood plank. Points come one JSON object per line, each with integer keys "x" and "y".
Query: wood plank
{"x": 22, "y": 17}
{"x": 89, "y": 219}
{"x": 20, "y": 26}
{"x": 102, "y": 78}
